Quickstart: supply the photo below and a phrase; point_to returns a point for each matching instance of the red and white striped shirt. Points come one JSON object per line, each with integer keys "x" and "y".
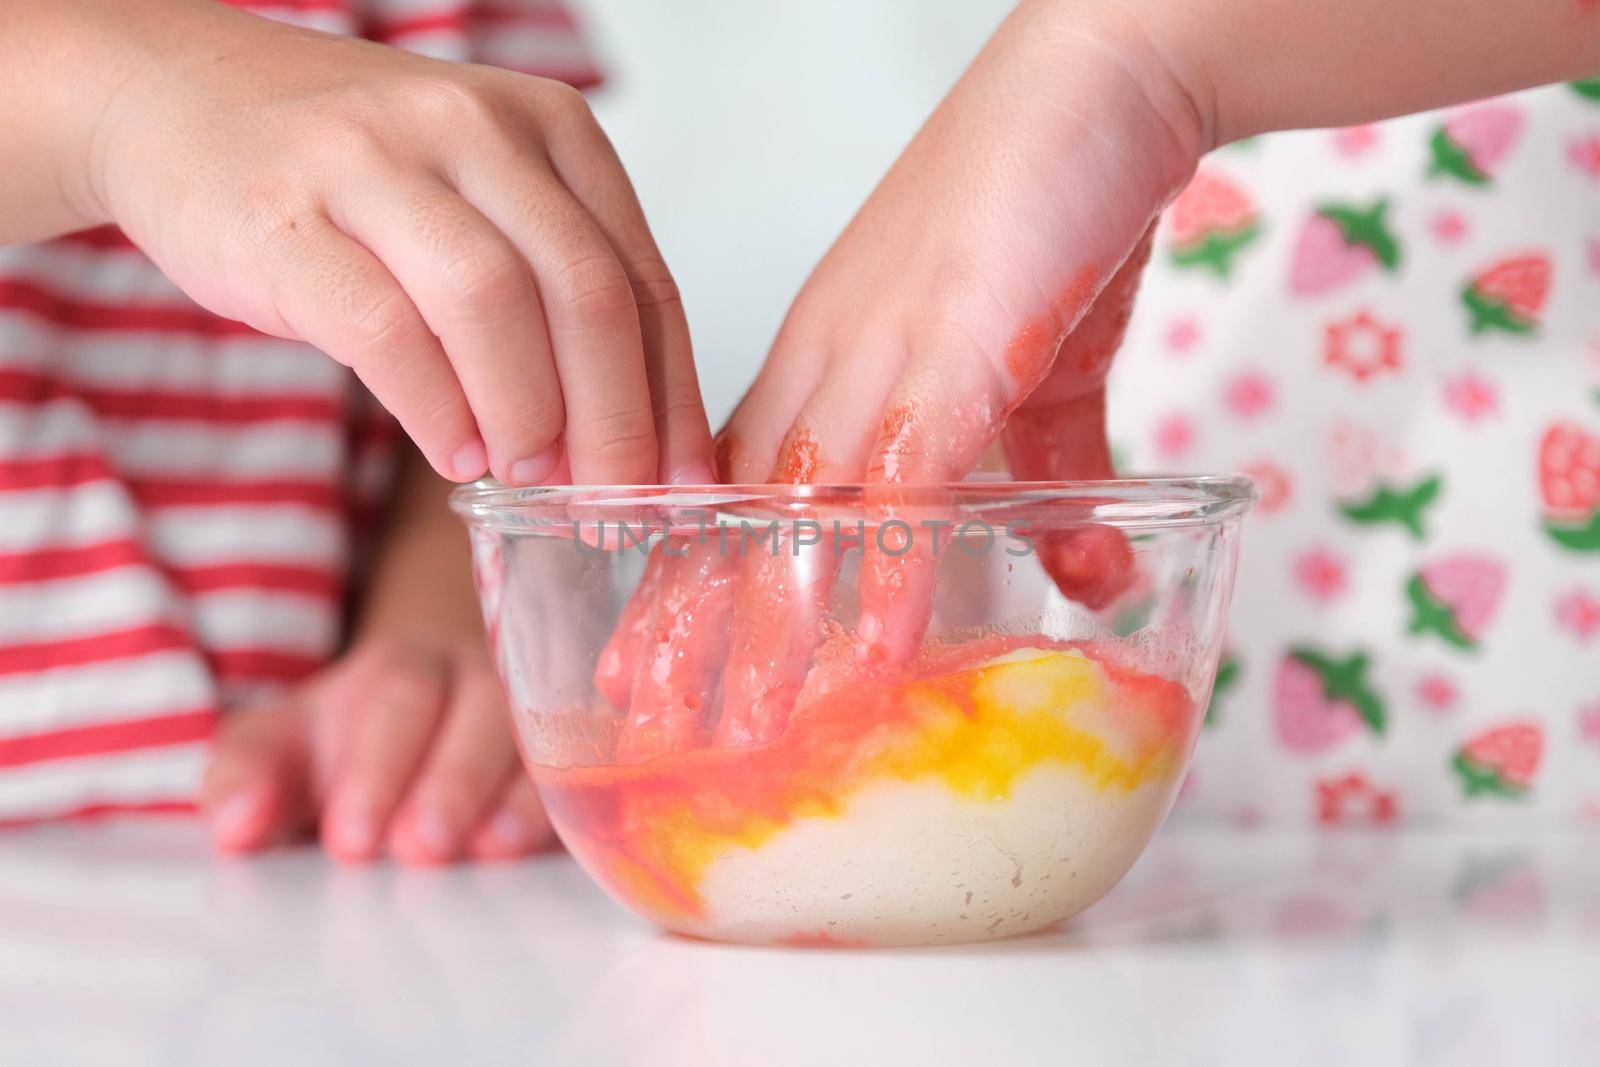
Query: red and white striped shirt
{"x": 180, "y": 496}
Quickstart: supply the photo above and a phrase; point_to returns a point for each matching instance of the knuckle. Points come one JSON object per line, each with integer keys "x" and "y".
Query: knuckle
{"x": 383, "y": 321}
{"x": 654, "y": 287}
{"x": 565, "y": 102}
{"x": 455, "y": 104}
{"x": 622, "y": 438}
{"x": 539, "y": 418}
{"x": 484, "y": 276}
{"x": 595, "y": 287}
{"x": 675, "y": 400}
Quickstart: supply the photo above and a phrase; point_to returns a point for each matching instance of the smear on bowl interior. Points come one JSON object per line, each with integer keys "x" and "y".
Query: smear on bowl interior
{"x": 995, "y": 787}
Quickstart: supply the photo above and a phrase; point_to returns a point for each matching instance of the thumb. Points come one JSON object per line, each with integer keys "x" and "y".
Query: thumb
{"x": 257, "y": 788}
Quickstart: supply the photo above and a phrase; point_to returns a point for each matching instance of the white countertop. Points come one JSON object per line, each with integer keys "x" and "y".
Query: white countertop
{"x": 130, "y": 944}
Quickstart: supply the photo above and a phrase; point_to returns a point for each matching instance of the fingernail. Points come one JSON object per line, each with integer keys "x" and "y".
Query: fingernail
{"x": 234, "y": 825}
{"x": 535, "y": 470}
{"x": 434, "y": 833}
{"x": 695, "y": 474}
{"x": 350, "y": 832}
{"x": 469, "y": 462}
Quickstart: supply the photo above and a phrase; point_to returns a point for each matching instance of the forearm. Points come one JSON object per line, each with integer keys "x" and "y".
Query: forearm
{"x": 64, "y": 65}
{"x": 1258, "y": 65}
{"x": 54, "y": 85}
{"x": 422, "y": 573}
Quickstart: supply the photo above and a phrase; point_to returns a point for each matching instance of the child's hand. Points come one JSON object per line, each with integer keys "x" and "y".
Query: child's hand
{"x": 943, "y": 304}
{"x": 403, "y": 744}
{"x": 463, "y": 237}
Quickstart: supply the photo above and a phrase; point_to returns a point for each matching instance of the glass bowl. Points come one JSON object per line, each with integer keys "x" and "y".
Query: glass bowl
{"x": 857, "y": 714}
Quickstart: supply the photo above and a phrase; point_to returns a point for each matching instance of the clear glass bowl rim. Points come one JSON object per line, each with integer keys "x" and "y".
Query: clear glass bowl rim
{"x": 1161, "y": 501}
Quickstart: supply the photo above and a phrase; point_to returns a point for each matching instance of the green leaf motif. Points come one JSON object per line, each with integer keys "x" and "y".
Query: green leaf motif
{"x": 1583, "y": 537}
{"x": 1491, "y": 314}
{"x": 1588, "y": 88}
{"x": 1451, "y": 159}
{"x": 1346, "y": 680}
{"x": 1403, "y": 506}
{"x": 1216, "y": 250}
{"x": 1430, "y": 615}
{"x": 1477, "y": 779}
{"x": 1369, "y": 229}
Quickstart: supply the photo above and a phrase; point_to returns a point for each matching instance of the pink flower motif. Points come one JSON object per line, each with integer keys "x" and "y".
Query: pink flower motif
{"x": 1449, "y": 227}
{"x": 1273, "y": 485}
{"x": 1175, "y": 435}
{"x": 1579, "y": 613}
{"x": 1584, "y": 154}
{"x": 1249, "y": 394}
{"x": 1183, "y": 334}
{"x": 1354, "y": 141}
{"x": 1589, "y": 723}
{"x": 1437, "y": 692}
{"x": 1363, "y": 346}
{"x": 1321, "y": 574}
{"x": 1470, "y": 396}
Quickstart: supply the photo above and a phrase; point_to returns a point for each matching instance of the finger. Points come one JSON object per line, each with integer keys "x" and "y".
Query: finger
{"x": 257, "y": 787}
{"x": 747, "y": 447}
{"x": 476, "y": 292}
{"x": 1059, "y": 433}
{"x": 591, "y": 317}
{"x": 781, "y": 596}
{"x": 938, "y": 422}
{"x": 463, "y": 773}
{"x": 618, "y": 660}
{"x": 587, "y": 164}
{"x": 684, "y": 648}
{"x": 401, "y": 699}
{"x": 336, "y": 296}
{"x": 779, "y": 607}
{"x": 518, "y": 825}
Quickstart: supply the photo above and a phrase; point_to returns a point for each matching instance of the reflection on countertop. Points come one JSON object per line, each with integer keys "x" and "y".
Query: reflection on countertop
{"x": 129, "y": 943}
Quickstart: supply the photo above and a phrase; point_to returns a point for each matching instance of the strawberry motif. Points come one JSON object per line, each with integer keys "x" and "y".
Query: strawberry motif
{"x": 1339, "y": 244}
{"x": 1509, "y": 294}
{"x": 1212, "y": 220}
{"x": 1471, "y": 143}
{"x": 1456, "y": 597}
{"x": 1404, "y": 506}
{"x": 1569, "y": 482}
{"x": 1501, "y": 761}
{"x": 1318, "y": 700}
{"x": 1588, "y": 88}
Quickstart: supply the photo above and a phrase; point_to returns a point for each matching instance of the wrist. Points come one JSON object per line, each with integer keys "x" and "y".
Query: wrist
{"x": 1150, "y": 89}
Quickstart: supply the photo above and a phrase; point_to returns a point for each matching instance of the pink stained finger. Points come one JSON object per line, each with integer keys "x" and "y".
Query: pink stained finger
{"x": 777, "y": 625}
{"x": 681, "y": 652}
{"x": 777, "y": 618}
{"x": 617, "y": 665}
{"x": 1058, "y": 433}
{"x": 899, "y": 557}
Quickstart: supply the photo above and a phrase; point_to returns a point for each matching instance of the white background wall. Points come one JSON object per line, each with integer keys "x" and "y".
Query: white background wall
{"x": 753, "y": 130}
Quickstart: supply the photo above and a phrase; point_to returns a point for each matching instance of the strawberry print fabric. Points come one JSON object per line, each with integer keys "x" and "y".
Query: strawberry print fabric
{"x": 1395, "y": 329}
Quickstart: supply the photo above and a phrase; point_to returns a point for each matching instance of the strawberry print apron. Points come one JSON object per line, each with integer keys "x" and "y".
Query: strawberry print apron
{"x": 1395, "y": 329}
